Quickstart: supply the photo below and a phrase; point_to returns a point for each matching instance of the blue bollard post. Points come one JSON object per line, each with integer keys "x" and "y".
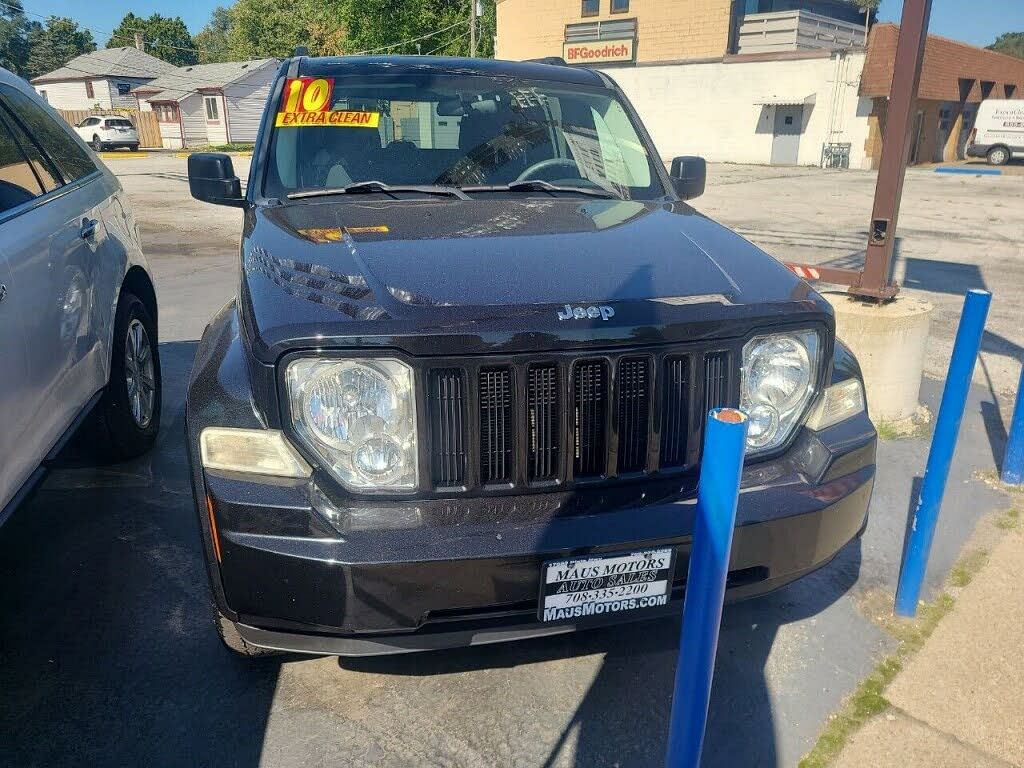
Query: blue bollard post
{"x": 1013, "y": 461}
{"x": 724, "y": 440}
{"x": 940, "y": 455}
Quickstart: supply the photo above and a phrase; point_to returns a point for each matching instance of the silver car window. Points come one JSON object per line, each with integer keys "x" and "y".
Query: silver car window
{"x": 71, "y": 159}
{"x": 41, "y": 166}
{"x": 18, "y": 182}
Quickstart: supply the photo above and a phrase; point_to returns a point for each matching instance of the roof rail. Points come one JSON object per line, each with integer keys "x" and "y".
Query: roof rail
{"x": 557, "y": 61}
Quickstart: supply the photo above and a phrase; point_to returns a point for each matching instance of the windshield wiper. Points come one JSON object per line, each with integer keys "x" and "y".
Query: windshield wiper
{"x": 369, "y": 187}
{"x": 539, "y": 185}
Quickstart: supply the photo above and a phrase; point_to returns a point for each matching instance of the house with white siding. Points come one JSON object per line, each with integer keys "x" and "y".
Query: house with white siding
{"x": 103, "y": 79}
{"x": 209, "y": 103}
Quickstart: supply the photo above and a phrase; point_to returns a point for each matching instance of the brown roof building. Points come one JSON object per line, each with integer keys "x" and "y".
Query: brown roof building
{"x": 955, "y": 78}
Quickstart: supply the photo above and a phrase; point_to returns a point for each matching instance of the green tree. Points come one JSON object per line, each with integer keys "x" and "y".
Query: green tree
{"x": 212, "y": 41}
{"x": 55, "y": 44}
{"x": 275, "y": 27}
{"x": 330, "y": 27}
{"x": 382, "y": 26}
{"x": 1010, "y": 43}
{"x": 165, "y": 37}
{"x": 13, "y": 45}
{"x": 870, "y": 5}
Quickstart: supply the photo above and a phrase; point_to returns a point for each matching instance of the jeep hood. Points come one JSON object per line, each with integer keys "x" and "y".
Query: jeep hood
{"x": 448, "y": 276}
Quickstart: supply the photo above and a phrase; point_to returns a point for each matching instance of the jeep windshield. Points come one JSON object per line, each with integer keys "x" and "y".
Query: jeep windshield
{"x": 470, "y": 133}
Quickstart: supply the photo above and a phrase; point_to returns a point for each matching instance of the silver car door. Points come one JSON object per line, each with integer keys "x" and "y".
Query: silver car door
{"x": 20, "y": 191}
{"x": 54, "y": 281}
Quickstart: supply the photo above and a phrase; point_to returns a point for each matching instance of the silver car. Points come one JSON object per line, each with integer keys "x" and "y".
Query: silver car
{"x": 78, "y": 313}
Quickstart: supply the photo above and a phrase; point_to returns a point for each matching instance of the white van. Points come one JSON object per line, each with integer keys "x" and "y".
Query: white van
{"x": 998, "y": 131}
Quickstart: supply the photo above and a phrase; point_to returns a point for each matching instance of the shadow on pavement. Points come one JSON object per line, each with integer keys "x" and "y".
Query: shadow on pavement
{"x": 622, "y": 720}
{"x": 108, "y": 653}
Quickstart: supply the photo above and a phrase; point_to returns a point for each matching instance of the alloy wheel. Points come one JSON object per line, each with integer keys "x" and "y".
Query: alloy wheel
{"x": 139, "y": 373}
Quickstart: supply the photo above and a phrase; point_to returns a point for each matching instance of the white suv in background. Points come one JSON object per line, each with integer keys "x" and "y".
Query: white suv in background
{"x": 108, "y": 132}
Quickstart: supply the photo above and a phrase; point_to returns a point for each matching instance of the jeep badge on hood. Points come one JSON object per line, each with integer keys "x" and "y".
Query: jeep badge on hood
{"x": 579, "y": 313}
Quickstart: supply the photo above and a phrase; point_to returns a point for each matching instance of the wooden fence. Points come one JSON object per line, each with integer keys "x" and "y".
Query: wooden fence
{"x": 144, "y": 122}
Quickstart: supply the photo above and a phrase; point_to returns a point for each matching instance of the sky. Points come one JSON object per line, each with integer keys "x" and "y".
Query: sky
{"x": 978, "y": 22}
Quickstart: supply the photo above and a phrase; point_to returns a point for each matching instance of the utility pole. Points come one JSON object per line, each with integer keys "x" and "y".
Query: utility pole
{"x": 875, "y": 282}
{"x": 472, "y": 28}
{"x": 138, "y": 40}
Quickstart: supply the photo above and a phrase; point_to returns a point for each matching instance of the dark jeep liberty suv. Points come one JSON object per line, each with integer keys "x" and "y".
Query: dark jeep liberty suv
{"x": 459, "y": 397}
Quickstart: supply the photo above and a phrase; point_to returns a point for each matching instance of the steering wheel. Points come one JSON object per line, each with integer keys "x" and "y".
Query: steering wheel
{"x": 555, "y": 162}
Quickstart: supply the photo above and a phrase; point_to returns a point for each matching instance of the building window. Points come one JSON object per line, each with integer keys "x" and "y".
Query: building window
{"x": 591, "y": 31}
{"x": 88, "y": 89}
{"x": 211, "y": 108}
{"x": 123, "y": 89}
{"x": 166, "y": 113}
{"x": 591, "y": 8}
{"x": 620, "y": 6}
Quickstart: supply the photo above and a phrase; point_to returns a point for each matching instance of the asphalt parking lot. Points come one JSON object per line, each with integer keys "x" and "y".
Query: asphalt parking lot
{"x": 108, "y": 656}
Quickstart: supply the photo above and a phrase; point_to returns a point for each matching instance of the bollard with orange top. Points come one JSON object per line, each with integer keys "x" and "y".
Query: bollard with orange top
{"x": 725, "y": 438}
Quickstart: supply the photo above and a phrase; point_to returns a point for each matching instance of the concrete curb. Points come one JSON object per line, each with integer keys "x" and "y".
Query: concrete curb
{"x": 955, "y": 701}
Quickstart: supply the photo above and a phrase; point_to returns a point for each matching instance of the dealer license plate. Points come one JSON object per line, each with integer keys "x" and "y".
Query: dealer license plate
{"x": 600, "y": 585}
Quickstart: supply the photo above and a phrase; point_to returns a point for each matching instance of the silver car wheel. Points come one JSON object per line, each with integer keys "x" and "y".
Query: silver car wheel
{"x": 139, "y": 373}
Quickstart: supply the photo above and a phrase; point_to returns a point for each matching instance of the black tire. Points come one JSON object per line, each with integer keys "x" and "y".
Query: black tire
{"x": 133, "y": 147}
{"x": 120, "y": 432}
{"x": 96, "y": 144}
{"x": 998, "y": 156}
{"x": 234, "y": 642}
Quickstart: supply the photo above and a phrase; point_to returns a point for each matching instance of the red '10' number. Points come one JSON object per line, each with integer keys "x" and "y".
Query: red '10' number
{"x": 306, "y": 94}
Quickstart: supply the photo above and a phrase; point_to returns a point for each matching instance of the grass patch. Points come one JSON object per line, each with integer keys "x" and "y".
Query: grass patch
{"x": 863, "y": 704}
{"x": 1009, "y": 520}
{"x": 918, "y": 426}
{"x": 967, "y": 567}
{"x": 888, "y": 431}
{"x": 227, "y": 148}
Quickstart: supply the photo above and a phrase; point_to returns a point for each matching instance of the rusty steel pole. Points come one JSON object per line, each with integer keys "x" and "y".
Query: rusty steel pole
{"x": 875, "y": 281}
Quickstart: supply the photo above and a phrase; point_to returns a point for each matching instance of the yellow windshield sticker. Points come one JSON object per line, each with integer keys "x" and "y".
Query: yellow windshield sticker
{"x": 339, "y": 119}
{"x": 308, "y": 94}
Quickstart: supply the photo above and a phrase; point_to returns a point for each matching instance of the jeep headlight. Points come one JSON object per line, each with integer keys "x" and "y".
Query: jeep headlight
{"x": 359, "y": 418}
{"x": 778, "y": 379}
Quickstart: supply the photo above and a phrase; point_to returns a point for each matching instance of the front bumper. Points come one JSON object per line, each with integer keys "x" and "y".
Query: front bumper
{"x": 429, "y": 587}
{"x": 978, "y": 150}
{"x": 290, "y": 568}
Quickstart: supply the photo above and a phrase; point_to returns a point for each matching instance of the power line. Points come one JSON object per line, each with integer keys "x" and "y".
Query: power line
{"x": 406, "y": 42}
{"x": 445, "y": 45}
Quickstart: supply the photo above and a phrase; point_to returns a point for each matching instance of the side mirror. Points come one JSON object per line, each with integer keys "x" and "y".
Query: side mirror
{"x": 689, "y": 176}
{"x": 211, "y": 178}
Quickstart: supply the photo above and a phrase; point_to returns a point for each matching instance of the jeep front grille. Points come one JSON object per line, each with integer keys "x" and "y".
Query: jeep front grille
{"x": 496, "y": 425}
{"x": 542, "y": 422}
{"x": 448, "y": 457}
{"x": 517, "y": 423}
{"x": 590, "y": 418}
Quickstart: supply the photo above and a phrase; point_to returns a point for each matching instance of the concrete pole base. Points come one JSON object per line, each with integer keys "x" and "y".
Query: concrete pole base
{"x": 889, "y": 340}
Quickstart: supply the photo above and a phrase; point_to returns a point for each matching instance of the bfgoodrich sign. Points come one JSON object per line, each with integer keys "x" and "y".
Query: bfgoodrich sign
{"x": 599, "y": 52}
